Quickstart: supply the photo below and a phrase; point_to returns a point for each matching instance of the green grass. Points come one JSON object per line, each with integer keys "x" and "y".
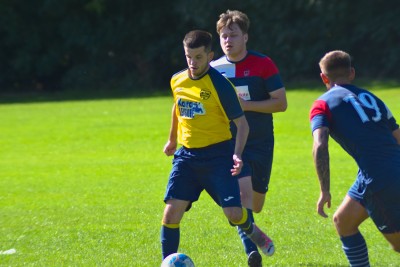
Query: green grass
{"x": 82, "y": 184}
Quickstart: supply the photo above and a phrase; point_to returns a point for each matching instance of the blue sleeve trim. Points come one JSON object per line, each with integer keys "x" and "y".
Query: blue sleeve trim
{"x": 274, "y": 82}
{"x": 319, "y": 121}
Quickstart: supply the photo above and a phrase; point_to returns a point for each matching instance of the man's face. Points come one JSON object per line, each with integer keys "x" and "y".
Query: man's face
{"x": 197, "y": 60}
{"x": 233, "y": 42}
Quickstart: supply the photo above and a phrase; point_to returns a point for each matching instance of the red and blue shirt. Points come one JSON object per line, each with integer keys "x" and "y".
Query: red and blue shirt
{"x": 254, "y": 77}
{"x": 362, "y": 124}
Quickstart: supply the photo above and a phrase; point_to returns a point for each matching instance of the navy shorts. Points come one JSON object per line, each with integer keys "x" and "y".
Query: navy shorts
{"x": 382, "y": 206}
{"x": 208, "y": 168}
{"x": 258, "y": 165}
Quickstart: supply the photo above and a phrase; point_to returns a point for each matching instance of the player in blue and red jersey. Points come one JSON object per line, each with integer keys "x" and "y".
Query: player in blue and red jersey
{"x": 204, "y": 104}
{"x": 261, "y": 92}
{"x": 366, "y": 129}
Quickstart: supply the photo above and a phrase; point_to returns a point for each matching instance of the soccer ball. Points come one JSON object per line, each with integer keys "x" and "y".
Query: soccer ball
{"x": 177, "y": 260}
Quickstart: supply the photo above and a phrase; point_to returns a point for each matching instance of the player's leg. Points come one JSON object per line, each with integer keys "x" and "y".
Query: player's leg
{"x": 238, "y": 216}
{"x": 246, "y": 191}
{"x": 261, "y": 173}
{"x": 347, "y": 219}
{"x": 246, "y": 196}
{"x": 170, "y": 231}
{"x": 384, "y": 210}
{"x": 394, "y": 240}
{"x": 254, "y": 258}
{"x": 227, "y": 191}
{"x": 182, "y": 190}
{"x": 258, "y": 201}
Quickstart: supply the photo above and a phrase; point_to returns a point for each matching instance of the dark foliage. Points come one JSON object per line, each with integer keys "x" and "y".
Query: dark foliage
{"x": 49, "y": 45}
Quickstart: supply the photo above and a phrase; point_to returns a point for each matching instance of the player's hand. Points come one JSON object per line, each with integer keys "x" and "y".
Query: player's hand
{"x": 170, "y": 148}
{"x": 324, "y": 197}
{"x": 237, "y": 165}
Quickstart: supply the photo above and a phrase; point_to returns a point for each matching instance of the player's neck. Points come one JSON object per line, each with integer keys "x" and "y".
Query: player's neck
{"x": 238, "y": 57}
{"x": 340, "y": 82}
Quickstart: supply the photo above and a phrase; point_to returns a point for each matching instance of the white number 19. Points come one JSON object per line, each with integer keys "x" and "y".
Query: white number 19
{"x": 368, "y": 101}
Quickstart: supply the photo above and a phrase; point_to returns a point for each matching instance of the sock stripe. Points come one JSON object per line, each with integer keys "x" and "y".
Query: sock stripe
{"x": 356, "y": 250}
{"x": 171, "y": 225}
{"x": 244, "y": 218}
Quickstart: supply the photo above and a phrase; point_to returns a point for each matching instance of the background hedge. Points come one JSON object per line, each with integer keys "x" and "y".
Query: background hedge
{"x": 54, "y": 45}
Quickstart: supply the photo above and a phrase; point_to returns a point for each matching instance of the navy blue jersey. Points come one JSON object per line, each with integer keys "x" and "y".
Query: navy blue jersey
{"x": 362, "y": 124}
{"x": 254, "y": 78}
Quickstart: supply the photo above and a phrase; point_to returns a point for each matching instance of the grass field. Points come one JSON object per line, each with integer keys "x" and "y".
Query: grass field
{"x": 82, "y": 184}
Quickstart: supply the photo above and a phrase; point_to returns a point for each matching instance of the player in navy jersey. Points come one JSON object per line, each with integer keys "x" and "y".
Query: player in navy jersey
{"x": 366, "y": 129}
{"x": 261, "y": 91}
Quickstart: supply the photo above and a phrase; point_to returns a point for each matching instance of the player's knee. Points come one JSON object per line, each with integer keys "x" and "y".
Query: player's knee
{"x": 233, "y": 214}
{"x": 235, "y": 217}
{"x": 257, "y": 208}
{"x": 258, "y": 202}
{"x": 337, "y": 221}
{"x": 170, "y": 217}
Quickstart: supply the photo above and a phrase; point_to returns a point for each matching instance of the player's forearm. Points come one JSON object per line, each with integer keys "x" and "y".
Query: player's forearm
{"x": 173, "y": 133}
{"x": 241, "y": 135}
{"x": 277, "y": 103}
{"x": 321, "y": 157}
{"x": 321, "y": 162}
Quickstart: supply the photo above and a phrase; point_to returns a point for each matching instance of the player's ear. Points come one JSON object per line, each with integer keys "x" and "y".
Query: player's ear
{"x": 210, "y": 56}
{"x": 246, "y": 37}
{"x": 324, "y": 78}
{"x": 352, "y": 74}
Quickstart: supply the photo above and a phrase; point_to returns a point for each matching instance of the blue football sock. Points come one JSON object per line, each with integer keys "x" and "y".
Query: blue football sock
{"x": 356, "y": 250}
{"x": 249, "y": 246}
{"x": 169, "y": 239}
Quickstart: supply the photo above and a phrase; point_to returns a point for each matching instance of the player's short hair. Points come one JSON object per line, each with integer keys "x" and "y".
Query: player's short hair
{"x": 233, "y": 16}
{"x": 335, "y": 64}
{"x": 198, "y": 38}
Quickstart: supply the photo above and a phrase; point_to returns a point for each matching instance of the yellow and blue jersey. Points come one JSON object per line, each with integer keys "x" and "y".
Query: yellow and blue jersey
{"x": 204, "y": 108}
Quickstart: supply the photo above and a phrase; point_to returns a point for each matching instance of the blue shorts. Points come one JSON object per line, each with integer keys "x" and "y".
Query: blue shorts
{"x": 382, "y": 206}
{"x": 257, "y": 163}
{"x": 208, "y": 168}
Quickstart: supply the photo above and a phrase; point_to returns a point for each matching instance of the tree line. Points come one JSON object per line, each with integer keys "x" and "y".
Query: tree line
{"x": 52, "y": 45}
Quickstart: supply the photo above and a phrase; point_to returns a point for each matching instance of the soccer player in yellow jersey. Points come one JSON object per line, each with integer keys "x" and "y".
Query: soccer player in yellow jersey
{"x": 204, "y": 104}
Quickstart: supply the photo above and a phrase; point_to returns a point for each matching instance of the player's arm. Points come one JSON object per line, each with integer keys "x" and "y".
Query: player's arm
{"x": 241, "y": 138}
{"x": 321, "y": 162}
{"x": 277, "y": 103}
{"x": 396, "y": 134}
{"x": 170, "y": 146}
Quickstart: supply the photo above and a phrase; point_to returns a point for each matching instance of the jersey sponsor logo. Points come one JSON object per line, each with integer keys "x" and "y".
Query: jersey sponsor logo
{"x": 205, "y": 94}
{"x": 189, "y": 109}
{"x": 246, "y": 73}
{"x": 243, "y": 92}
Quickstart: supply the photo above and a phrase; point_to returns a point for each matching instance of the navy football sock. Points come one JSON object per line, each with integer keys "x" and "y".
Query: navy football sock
{"x": 249, "y": 246}
{"x": 356, "y": 250}
{"x": 169, "y": 239}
